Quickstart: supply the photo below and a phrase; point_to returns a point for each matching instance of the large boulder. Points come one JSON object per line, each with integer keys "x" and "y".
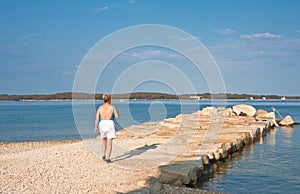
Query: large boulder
{"x": 228, "y": 112}
{"x": 266, "y": 116}
{"x": 244, "y": 109}
{"x": 154, "y": 185}
{"x": 261, "y": 112}
{"x": 178, "y": 174}
{"x": 288, "y": 120}
{"x": 208, "y": 111}
{"x": 205, "y": 159}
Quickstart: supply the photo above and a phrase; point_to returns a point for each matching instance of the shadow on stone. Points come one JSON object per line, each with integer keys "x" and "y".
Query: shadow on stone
{"x": 136, "y": 152}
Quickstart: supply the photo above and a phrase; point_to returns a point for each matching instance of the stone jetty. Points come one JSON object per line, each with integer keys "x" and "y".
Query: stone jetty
{"x": 179, "y": 149}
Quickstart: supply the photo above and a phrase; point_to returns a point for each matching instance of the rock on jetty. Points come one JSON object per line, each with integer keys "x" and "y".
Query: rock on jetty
{"x": 287, "y": 121}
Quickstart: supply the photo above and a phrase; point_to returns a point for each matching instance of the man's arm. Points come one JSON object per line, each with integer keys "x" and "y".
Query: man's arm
{"x": 116, "y": 113}
{"x": 97, "y": 120}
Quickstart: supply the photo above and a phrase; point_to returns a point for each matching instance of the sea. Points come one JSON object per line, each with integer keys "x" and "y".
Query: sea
{"x": 270, "y": 165}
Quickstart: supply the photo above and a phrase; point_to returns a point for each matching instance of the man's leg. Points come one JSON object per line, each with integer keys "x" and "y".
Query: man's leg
{"x": 104, "y": 145}
{"x": 109, "y": 147}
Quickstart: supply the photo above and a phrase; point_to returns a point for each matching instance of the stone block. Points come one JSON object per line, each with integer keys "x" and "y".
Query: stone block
{"x": 244, "y": 109}
{"x": 228, "y": 112}
{"x": 178, "y": 174}
{"x": 261, "y": 112}
{"x": 211, "y": 155}
{"x": 217, "y": 154}
{"x": 154, "y": 185}
{"x": 205, "y": 159}
{"x": 239, "y": 144}
{"x": 288, "y": 120}
{"x": 266, "y": 116}
{"x": 208, "y": 111}
{"x": 246, "y": 137}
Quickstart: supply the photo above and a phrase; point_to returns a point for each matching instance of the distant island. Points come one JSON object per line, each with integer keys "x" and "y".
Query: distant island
{"x": 139, "y": 96}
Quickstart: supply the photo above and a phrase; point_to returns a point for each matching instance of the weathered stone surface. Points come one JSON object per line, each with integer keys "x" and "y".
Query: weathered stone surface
{"x": 266, "y": 116}
{"x": 228, "y": 146}
{"x": 221, "y": 147}
{"x": 239, "y": 144}
{"x": 178, "y": 174}
{"x": 220, "y": 109}
{"x": 208, "y": 111}
{"x": 288, "y": 120}
{"x": 242, "y": 109}
{"x": 246, "y": 137}
{"x": 211, "y": 155}
{"x": 223, "y": 150}
{"x": 225, "y": 112}
{"x": 205, "y": 159}
{"x": 228, "y": 112}
{"x": 217, "y": 154}
{"x": 261, "y": 112}
{"x": 262, "y": 131}
{"x": 140, "y": 191}
{"x": 154, "y": 185}
{"x": 169, "y": 189}
{"x": 253, "y": 135}
{"x": 197, "y": 163}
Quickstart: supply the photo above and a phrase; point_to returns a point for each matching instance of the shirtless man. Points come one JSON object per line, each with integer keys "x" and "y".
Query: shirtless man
{"x": 104, "y": 121}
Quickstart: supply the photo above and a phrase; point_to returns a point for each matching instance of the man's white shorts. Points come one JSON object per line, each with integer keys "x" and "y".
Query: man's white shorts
{"x": 107, "y": 129}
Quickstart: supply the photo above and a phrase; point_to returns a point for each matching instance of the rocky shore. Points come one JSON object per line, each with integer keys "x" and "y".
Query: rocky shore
{"x": 156, "y": 157}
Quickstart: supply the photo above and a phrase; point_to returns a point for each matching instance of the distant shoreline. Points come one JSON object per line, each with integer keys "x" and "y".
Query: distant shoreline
{"x": 141, "y": 96}
{"x": 132, "y": 100}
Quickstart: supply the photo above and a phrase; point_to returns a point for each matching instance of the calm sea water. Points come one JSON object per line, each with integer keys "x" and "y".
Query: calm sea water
{"x": 53, "y": 120}
{"x": 271, "y": 166}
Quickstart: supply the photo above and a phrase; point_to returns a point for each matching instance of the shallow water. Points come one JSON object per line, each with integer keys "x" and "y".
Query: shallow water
{"x": 53, "y": 120}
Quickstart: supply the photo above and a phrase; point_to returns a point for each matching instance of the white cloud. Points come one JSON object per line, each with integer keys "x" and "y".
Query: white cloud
{"x": 297, "y": 31}
{"x": 226, "y": 31}
{"x": 265, "y": 35}
{"x": 146, "y": 54}
{"x": 187, "y": 39}
{"x": 142, "y": 55}
{"x": 241, "y": 51}
{"x": 25, "y": 37}
{"x": 149, "y": 54}
{"x": 100, "y": 9}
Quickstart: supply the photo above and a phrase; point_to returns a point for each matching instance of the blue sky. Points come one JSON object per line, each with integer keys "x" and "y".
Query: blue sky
{"x": 255, "y": 43}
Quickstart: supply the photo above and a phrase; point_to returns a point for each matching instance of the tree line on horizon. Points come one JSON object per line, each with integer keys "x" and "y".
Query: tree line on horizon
{"x": 137, "y": 96}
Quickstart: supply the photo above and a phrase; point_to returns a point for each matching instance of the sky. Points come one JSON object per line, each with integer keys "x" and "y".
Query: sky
{"x": 256, "y": 44}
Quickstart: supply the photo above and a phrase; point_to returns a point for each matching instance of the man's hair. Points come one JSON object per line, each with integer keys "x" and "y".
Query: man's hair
{"x": 106, "y": 97}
